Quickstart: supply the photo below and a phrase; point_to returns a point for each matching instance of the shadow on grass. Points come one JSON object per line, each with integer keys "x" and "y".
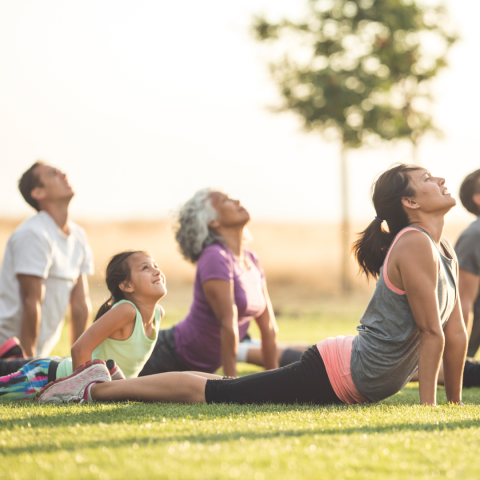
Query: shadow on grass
{"x": 35, "y": 416}
{"x": 32, "y": 415}
{"x": 156, "y": 438}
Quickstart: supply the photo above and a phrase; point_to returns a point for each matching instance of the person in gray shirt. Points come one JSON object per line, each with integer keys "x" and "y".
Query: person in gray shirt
{"x": 467, "y": 249}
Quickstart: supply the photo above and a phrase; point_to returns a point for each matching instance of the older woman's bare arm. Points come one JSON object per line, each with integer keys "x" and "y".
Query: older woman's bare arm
{"x": 219, "y": 295}
{"x": 268, "y": 329}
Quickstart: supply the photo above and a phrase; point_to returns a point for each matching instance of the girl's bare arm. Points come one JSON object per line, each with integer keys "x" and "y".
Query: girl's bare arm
{"x": 114, "y": 320}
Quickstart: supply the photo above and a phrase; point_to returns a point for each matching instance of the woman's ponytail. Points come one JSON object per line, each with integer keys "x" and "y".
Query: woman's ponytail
{"x": 371, "y": 248}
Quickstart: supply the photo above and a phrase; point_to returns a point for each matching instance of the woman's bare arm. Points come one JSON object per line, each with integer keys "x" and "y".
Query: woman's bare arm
{"x": 268, "y": 329}
{"x": 416, "y": 264}
{"x": 456, "y": 341}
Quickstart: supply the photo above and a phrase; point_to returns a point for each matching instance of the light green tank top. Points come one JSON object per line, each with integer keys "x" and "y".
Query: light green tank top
{"x": 130, "y": 355}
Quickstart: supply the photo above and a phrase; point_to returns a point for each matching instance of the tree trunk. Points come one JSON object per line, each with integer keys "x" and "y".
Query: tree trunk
{"x": 345, "y": 277}
{"x": 415, "y": 154}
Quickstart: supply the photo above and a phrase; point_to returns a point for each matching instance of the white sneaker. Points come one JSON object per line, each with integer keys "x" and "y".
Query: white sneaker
{"x": 75, "y": 387}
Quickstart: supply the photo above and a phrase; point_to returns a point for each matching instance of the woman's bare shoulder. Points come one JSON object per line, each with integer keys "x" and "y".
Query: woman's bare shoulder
{"x": 413, "y": 237}
{"x": 416, "y": 246}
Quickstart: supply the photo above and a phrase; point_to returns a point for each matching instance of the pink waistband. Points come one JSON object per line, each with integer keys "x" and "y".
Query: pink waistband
{"x": 336, "y": 353}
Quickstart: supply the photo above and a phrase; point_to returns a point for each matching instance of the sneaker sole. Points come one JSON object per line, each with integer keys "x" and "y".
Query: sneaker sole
{"x": 61, "y": 392}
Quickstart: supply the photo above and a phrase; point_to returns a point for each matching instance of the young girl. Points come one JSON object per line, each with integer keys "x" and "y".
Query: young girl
{"x": 125, "y": 329}
{"x": 412, "y": 321}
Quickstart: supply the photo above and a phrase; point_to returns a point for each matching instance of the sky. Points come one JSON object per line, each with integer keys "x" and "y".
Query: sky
{"x": 143, "y": 103}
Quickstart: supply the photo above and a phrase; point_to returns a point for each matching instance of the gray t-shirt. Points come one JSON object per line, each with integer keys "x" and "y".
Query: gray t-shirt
{"x": 467, "y": 249}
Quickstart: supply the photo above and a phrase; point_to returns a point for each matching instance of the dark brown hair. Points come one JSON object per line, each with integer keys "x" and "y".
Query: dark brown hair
{"x": 469, "y": 187}
{"x": 28, "y": 181}
{"x": 387, "y": 192}
{"x": 118, "y": 271}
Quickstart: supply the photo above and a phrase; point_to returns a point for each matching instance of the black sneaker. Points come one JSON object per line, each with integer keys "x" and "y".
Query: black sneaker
{"x": 471, "y": 374}
{"x": 115, "y": 371}
{"x": 11, "y": 349}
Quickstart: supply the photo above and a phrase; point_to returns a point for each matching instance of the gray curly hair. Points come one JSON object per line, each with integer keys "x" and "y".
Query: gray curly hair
{"x": 193, "y": 234}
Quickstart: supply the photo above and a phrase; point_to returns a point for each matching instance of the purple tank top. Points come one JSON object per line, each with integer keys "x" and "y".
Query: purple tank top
{"x": 197, "y": 337}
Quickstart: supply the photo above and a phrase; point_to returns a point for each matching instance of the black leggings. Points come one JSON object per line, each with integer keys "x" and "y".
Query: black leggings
{"x": 305, "y": 381}
{"x": 471, "y": 374}
{"x": 164, "y": 356}
{"x": 9, "y": 366}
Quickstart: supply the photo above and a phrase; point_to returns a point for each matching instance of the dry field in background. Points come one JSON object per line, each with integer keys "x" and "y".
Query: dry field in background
{"x": 301, "y": 261}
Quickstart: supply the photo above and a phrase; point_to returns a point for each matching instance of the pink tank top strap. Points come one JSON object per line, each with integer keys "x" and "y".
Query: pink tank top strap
{"x": 390, "y": 285}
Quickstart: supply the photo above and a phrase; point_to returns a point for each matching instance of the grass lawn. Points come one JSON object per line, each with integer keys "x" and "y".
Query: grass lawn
{"x": 396, "y": 439}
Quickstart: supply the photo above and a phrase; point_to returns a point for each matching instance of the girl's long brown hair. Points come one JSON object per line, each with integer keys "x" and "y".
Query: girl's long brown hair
{"x": 118, "y": 271}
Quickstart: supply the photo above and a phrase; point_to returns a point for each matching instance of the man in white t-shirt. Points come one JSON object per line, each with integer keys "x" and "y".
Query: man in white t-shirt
{"x": 44, "y": 268}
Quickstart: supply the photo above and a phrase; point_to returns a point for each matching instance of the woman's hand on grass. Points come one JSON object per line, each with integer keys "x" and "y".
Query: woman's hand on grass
{"x": 417, "y": 264}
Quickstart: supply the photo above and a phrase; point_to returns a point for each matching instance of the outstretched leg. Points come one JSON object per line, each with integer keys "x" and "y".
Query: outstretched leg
{"x": 178, "y": 387}
{"x": 12, "y": 365}
{"x": 27, "y": 382}
{"x": 305, "y": 381}
{"x": 208, "y": 376}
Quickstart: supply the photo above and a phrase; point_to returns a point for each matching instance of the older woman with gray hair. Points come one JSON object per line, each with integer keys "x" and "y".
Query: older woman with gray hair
{"x": 229, "y": 291}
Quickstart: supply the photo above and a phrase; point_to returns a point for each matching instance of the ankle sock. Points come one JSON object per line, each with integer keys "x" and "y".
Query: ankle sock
{"x": 90, "y": 399}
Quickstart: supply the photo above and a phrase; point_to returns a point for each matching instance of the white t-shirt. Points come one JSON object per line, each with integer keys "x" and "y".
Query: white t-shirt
{"x": 38, "y": 247}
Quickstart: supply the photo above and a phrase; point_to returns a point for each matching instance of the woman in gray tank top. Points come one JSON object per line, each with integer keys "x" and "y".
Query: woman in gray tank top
{"x": 411, "y": 322}
{"x": 414, "y": 316}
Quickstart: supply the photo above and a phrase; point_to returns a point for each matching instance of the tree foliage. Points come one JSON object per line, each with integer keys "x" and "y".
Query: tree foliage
{"x": 361, "y": 69}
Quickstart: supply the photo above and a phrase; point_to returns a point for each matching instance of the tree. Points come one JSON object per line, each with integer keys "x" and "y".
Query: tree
{"x": 360, "y": 72}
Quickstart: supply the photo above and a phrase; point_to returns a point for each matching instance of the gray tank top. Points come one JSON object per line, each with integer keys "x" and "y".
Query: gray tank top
{"x": 385, "y": 351}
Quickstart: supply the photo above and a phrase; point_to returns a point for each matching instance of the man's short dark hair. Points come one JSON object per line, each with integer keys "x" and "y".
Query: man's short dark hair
{"x": 28, "y": 181}
{"x": 470, "y": 186}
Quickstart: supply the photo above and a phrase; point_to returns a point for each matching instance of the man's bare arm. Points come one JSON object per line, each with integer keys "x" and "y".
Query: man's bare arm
{"x": 80, "y": 308}
{"x": 31, "y": 292}
{"x": 468, "y": 284}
